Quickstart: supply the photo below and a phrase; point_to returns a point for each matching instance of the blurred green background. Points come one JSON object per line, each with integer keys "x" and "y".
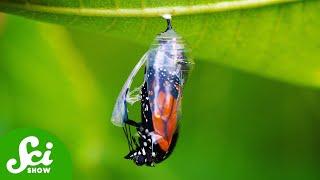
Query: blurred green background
{"x": 235, "y": 125}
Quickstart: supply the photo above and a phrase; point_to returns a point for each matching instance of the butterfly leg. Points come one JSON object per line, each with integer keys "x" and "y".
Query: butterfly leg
{"x": 132, "y": 123}
{"x": 133, "y": 139}
{"x": 135, "y": 142}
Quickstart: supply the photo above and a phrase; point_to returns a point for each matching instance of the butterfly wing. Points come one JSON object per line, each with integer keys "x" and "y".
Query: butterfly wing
{"x": 165, "y": 117}
{"x": 164, "y": 91}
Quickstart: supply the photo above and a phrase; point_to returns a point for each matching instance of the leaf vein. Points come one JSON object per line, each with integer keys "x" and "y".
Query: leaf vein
{"x": 150, "y": 11}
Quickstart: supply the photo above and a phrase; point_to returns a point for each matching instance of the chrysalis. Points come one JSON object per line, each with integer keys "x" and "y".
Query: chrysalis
{"x": 166, "y": 71}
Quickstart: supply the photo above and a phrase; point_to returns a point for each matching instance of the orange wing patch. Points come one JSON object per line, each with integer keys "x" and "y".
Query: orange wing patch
{"x": 164, "y": 118}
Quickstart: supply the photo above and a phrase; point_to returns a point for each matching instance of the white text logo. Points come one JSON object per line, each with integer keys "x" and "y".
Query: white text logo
{"x": 26, "y": 157}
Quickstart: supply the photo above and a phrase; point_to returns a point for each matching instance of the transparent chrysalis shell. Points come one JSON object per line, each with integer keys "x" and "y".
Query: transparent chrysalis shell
{"x": 166, "y": 71}
{"x": 166, "y": 53}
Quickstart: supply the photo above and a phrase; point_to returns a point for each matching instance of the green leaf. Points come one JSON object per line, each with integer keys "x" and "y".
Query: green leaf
{"x": 273, "y": 38}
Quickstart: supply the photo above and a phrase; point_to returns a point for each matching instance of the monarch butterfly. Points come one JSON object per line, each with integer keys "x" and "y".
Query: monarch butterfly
{"x": 166, "y": 71}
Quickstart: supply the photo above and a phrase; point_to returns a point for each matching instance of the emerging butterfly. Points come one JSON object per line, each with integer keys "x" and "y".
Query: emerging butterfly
{"x": 166, "y": 71}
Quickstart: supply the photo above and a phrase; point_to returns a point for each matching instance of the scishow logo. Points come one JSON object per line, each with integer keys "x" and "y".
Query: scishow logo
{"x": 33, "y": 154}
{"x": 26, "y": 161}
